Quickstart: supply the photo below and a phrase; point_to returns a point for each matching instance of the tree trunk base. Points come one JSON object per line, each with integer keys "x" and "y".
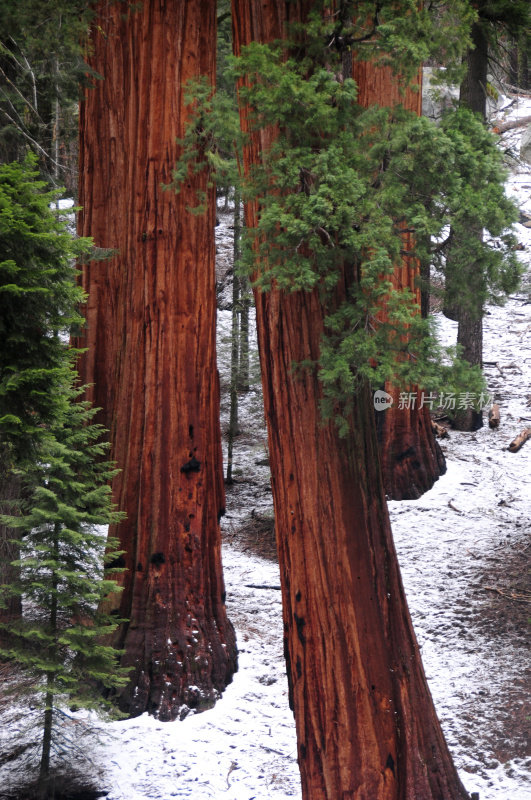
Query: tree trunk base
{"x": 468, "y": 420}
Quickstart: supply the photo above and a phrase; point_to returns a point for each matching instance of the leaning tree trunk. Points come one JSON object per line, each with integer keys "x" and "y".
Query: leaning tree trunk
{"x": 411, "y": 457}
{"x": 366, "y": 725}
{"x": 151, "y": 351}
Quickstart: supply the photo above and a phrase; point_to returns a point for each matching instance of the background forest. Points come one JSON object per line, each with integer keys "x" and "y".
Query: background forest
{"x": 371, "y": 243}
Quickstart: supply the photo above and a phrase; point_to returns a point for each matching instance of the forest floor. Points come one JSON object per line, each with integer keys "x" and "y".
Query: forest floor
{"x": 464, "y": 551}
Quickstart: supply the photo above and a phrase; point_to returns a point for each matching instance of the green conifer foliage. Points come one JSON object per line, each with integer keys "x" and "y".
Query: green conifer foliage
{"x": 65, "y": 499}
{"x": 467, "y": 269}
{"x": 38, "y": 305}
{"x": 340, "y": 184}
{"x": 41, "y": 67}
{"x": 54, "y": 476}
{"x": 476, "y": 200}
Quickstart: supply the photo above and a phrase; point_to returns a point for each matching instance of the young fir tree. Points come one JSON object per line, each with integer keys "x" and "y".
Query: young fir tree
{"x": 54, "y": 476}
{"x": 58, "y": 640}
{"x": 38, "y": 304}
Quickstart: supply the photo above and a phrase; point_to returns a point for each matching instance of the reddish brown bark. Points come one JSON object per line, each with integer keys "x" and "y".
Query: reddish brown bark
{"x": 366, "y": 726}
{"x": 412, "y": 460}
{"x": 151, "y": 351}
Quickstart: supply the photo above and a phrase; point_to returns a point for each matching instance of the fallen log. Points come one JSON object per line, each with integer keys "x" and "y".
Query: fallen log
{"x": 494, "y": 416}
{"x": 262, "y": 586}
{"x": 501, "y": 127}
{"x": 439, "y": 430}
{"x": 509, "y": 87}
{"x": 520, "y": 440}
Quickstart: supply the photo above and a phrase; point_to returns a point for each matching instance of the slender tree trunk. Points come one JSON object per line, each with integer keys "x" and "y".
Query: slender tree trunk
{"x": 11, "y": 606}
{"x": 473, "y": 90}
{"x": 44, "y": 770}
{"x": 151, "y": 351}
{"x": 235, "y": 340}
{"x": 469, "y": 313}
{"x": 412, "y": 459}
{"x": 245, "y": 303}
{"x": 56, "y": 131}
{"x": 470, "y": 337}
{"x": 513, "y": 71}
{"x": 366, "y": 725}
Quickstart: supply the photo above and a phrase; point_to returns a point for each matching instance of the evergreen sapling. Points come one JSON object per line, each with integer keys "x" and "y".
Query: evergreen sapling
{"x": 59, "y": 641}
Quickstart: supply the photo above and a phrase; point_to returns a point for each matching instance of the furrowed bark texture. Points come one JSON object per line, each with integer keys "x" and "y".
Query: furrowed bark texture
{"x": 412, "y": 460}
{"x": 366, "y": 725}
{"x": 151, "y": 351}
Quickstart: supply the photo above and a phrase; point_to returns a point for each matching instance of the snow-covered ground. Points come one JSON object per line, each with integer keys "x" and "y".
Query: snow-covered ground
{"x": 464, "y": 552}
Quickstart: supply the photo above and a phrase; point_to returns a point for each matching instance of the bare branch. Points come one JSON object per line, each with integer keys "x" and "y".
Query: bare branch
{"x": 19, "y": 93}
{"x": 441, "y": 246}
{"x": 34, "y": 142}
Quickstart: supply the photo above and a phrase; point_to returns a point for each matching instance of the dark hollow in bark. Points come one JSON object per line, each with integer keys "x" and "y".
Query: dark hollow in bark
{"x": 151, "y": 351}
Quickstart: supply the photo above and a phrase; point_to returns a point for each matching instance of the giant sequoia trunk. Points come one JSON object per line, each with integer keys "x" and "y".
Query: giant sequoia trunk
{"x": 151, "y": 351}
{"x": 411, "y": 457}
{"x": 366, "y": 725}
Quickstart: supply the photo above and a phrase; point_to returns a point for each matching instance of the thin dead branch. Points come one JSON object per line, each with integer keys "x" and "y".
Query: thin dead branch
{"x": 519, "y": 598}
